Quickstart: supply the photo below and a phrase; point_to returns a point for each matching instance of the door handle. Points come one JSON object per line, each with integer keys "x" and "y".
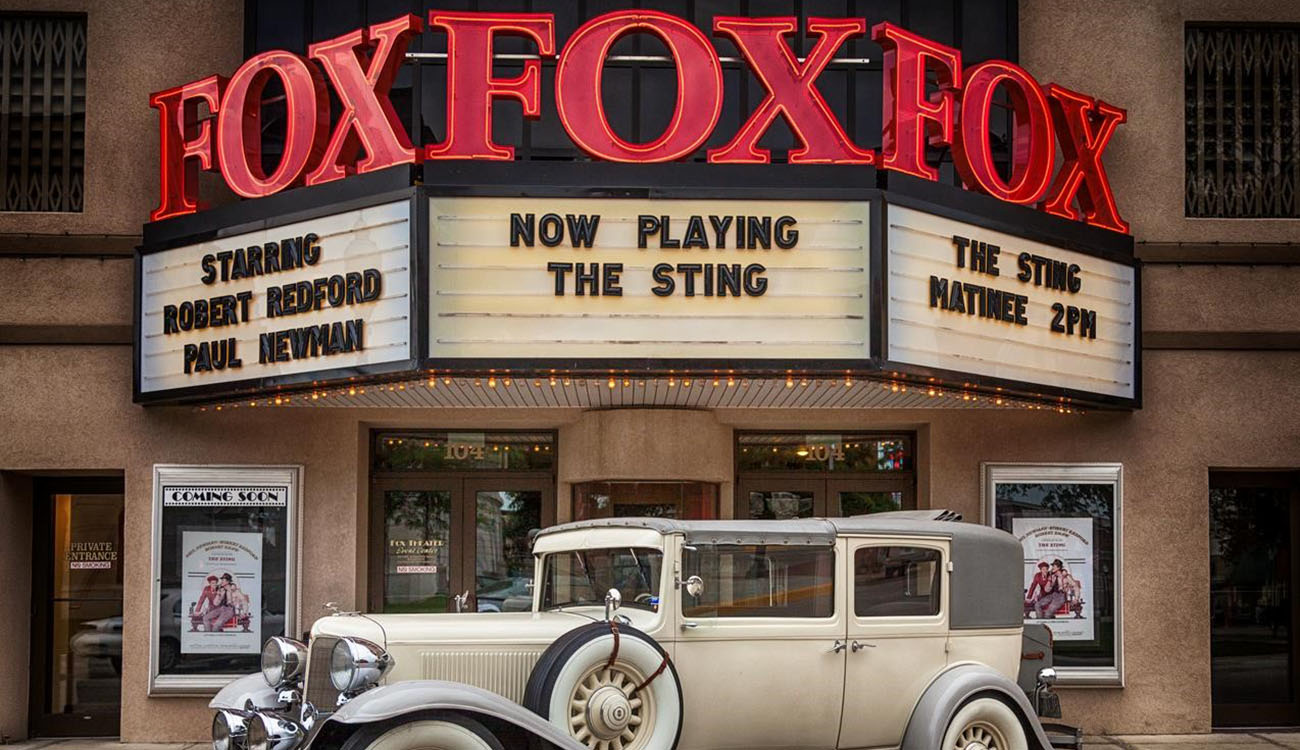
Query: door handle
{"x": 856, "y": 646}
{"x": 839, "y": 647}
{"x": 688, "y": 625}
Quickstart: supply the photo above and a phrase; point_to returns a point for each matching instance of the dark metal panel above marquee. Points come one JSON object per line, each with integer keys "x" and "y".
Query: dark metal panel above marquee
{"x": 639, "y": 79}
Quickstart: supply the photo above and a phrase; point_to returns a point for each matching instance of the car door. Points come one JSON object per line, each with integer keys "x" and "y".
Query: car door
{"x": 757, "y": 650}
{"x": 897, "y": 632}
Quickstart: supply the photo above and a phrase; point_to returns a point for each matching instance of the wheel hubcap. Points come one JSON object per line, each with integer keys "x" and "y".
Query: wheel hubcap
{"x": 980, "y": 736}
{"x": 608, "y": 712}
{"x": 605, "y": 715}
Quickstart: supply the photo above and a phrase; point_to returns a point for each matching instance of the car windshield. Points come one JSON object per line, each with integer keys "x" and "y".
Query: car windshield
{"x": 581, "y": 577}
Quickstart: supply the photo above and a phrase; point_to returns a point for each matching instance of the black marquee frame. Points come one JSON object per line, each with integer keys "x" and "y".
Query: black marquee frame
{"x": 653, "y": 181}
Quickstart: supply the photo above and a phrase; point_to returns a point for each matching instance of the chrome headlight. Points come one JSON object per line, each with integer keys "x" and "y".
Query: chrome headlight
{"x": 228, "y": 731}
{"x": 356, "y": 664}
{"x": 282, "y": 661}
{"x": 266, "y": 732}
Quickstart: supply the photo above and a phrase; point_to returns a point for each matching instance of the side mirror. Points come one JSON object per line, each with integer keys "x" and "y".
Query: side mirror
{"x": 613, "y": 600}
{"x": 694, "y": 586}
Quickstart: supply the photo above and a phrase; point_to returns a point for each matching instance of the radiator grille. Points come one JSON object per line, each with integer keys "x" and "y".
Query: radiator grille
{"x": 320, "y": 691}
{"x": 503, "y": 673}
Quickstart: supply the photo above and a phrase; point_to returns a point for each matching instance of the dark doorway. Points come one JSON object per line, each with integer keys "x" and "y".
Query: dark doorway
{"x": 76, "y": 672}
{"x": 1254, "y": 567}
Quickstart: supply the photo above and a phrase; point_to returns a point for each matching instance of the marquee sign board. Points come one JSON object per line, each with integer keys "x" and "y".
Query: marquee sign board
{"x": 665, "y": 279}
{"x": 331, "y": 293}
{"x": 965, "y": 299}
{"x": 346, "y": 283}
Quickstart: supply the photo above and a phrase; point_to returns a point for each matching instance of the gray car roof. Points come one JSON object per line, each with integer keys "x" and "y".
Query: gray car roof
{"x": 799, "y": 531}
{"x": 988, "y": 564}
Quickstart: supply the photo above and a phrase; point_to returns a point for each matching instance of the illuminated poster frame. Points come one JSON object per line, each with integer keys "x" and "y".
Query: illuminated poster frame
{"x": 219, "y": 508}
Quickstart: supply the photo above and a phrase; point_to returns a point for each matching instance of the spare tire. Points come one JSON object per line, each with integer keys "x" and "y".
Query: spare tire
{"x": 608, "y": 686}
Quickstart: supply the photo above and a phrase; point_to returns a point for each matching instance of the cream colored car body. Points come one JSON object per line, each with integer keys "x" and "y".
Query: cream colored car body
{"x": 746, "y": 682}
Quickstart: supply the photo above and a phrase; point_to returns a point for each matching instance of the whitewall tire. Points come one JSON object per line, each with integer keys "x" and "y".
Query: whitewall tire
{"x": 424, "y": 732}
{"x": 985, "y": 724}
{"x": 576, "y": 688}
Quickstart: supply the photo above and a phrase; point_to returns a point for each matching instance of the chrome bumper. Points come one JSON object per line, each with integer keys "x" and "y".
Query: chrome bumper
{"x": 258, "y": 729}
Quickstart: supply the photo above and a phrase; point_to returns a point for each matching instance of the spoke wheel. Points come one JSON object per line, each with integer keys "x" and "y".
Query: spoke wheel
{"x": 985, "y": 724}
{"x": 980, "y": 736}
{"x": 604, "y": 714}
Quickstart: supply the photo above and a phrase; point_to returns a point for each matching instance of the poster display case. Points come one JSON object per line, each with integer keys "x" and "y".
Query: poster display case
{"x": 225, "y": 572}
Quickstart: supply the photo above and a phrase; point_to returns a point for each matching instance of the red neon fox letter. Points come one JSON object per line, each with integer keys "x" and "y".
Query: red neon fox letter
{"x": 1084, "y": 126}
{"x": 471, "y": 87}
{"x": 368, "y": 119}
{"x": 909, "y": 115}
{"x": 185, "y": 144}
{"x": 578, "y": 90}
{"x": 791, "y": 90}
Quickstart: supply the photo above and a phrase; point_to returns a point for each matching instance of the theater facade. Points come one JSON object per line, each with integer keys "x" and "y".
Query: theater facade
{"x": 328, "y": 305}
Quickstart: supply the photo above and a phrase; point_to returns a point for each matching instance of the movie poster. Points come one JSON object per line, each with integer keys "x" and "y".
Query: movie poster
{"x": 221, "y": 588}
{"x": 1058, "y": 574}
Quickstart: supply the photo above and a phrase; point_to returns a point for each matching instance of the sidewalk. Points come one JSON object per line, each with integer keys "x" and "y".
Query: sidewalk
{"x": 1233, "y": 741}
{"x": 1229, "y": 741}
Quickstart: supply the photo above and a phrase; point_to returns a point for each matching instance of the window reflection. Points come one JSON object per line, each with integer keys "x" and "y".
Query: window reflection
{"x": 503, "y": 552}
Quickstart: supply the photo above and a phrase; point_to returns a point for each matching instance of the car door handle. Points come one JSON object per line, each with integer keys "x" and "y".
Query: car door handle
{"x": 838, "y": 647}
{"x": 856, "y": 646}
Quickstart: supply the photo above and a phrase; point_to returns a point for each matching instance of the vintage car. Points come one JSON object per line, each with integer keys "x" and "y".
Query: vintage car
{"x": 897, "y": 629}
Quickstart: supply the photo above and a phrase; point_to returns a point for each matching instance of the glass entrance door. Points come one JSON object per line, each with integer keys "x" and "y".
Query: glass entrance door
{"x": 800, "y": 475}
{"x": 418, "y": 544}
{"x": 76, "y": 676}
{"x": 441, "y": 537}
{"x": 780, "y": 499}
{"x": 1254, "y": 569}
{"x": 859, "y": 497}
{"x": 499, "y": 552}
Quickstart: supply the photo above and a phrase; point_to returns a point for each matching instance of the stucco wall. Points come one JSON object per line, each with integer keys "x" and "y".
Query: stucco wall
{"x": 1130, "y": 53}
{"x": 66, "y": 410}
{"x": 134, "y": 48}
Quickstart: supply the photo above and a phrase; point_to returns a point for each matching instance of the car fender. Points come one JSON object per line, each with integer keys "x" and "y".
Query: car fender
{"x": 401, "y": 698}
{"x": 236, "y": 695}
{"x": 953, "y": 688}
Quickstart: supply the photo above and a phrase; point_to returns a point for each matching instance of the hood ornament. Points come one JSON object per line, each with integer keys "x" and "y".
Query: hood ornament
{"x": 338, "y": 611}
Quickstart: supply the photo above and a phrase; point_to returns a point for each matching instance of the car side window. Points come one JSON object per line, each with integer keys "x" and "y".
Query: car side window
{"x": 896, "y": 581}
{"x": 747, "y": 580}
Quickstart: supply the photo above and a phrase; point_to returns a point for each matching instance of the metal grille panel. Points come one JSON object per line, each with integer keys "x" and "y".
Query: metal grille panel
{"x": 320, "y": 691}
{"x": 42, "y": 112}
{"x": 1243, "y": 121}
{"x": 502, "y": 672}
